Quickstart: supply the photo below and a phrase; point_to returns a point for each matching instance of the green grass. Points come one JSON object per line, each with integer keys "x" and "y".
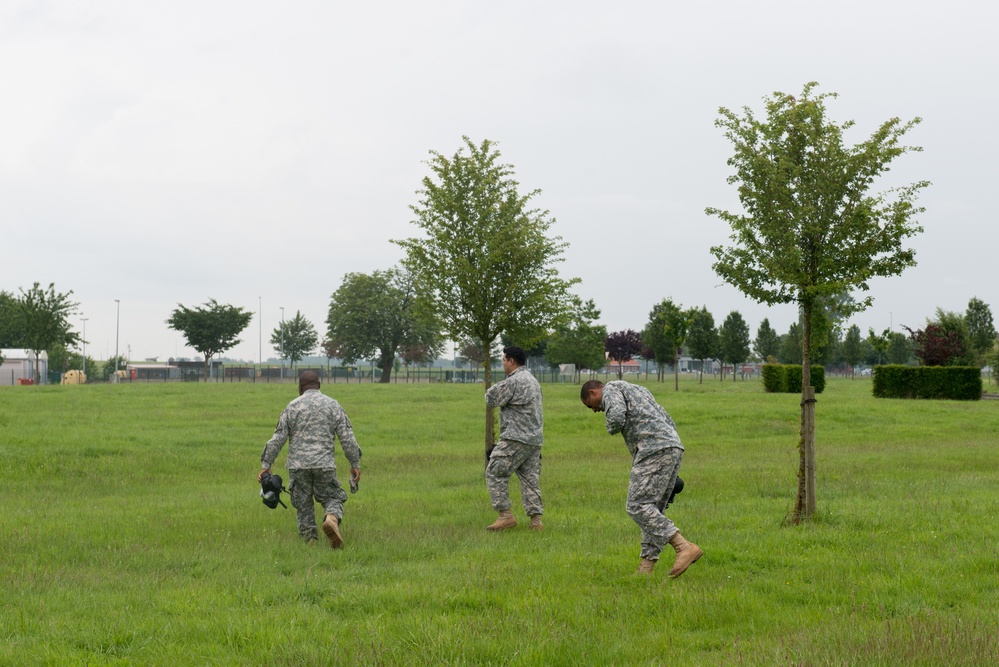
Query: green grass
{"x": 132, "y": 533}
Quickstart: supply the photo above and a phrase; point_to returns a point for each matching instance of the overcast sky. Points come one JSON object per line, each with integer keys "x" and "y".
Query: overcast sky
{"x": 254, "y": 152}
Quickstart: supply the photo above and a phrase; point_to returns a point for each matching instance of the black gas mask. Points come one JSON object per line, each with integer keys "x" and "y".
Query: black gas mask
{"x": 271, "y": 487}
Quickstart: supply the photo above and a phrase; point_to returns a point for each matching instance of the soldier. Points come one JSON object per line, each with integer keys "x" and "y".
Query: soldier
{"x": 656, "y": 453}
{"x": 519, "y": 448}
{"x": 310, "y": 424}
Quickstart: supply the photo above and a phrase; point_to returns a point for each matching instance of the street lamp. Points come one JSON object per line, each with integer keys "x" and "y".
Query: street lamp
{"x": 117, "y": 320}
{"x": 282, "y": 341}
{"x": 84, "y": 345}
{"x": 260, "y": 330}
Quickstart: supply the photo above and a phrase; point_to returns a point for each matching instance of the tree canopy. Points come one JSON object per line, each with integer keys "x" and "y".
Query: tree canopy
{"x": 702, "y": 336}
{"x": 810, "y": 228}
{"x": 767, "y": 342}
{"x": 733, "y": 340}
{"x": 981, "y": 328}
{"x": 622, "y": 346}
{"x": 380, "y": 315}
{"x": 666, "y": 332}
{"x": 581, "y": 341}
{"x": 486, "y": 262}
{"x": 42, "y": 318}
{"x": 210, "y": 329}
{"x": 295, "y": 338}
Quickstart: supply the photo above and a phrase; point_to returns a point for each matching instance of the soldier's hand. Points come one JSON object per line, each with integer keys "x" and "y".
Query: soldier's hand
{"x": 260, "y": 476}
{"x": 355, "y": 475}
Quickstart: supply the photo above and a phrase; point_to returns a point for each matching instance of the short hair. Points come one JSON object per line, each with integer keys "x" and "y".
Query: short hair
{"x": 587, "y": 387}
{"x": 307, "y": 378}
{"x": 515, "y": 353}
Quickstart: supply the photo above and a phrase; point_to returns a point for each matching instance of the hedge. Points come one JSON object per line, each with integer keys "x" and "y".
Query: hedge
{"x": 786, "y": 378}
{"x": 960, "y": 383}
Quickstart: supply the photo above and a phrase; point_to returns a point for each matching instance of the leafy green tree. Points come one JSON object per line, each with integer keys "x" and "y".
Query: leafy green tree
{"x": 297, "y": 337}
{"x": 579, "y": 342}
{"x": 11, "y": 330}
{"x": 378, "y": 315}
{"x": 981, "y": 329}
{"x": 107, "y": 370}
{"x": 486, "y": 264}
{"x": 210, "y": 329}
{"x": 811, "y": 228}
{"x": 666, "y": 333}
{"x": 767, "y": 343}
{"x": 790, "y": 345}
{"x": 733, "y": 340}
{"x": 43, "y": 319}
{"x": 622, "y": 346}
{"x": 900, "y": 348}
{"x": 879, "y": 343}
{"x": 702, "y": 336}
{"x": 852, "y": 349}
{"x": 952, "y": 324}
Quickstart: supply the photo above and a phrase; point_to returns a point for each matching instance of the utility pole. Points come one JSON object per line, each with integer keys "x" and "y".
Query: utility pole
{"x": 282, "y": 341}
{"x": 117, "y": 320}
{"x": 84, "y": 345}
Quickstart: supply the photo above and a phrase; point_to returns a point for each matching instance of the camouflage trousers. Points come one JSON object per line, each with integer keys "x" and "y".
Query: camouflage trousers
{"x": 649, "y": 486}
{"x": 310, "y": 485}
{"x": 509, "y": 457}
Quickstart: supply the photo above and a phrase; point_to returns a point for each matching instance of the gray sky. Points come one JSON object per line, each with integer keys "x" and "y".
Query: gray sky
{"x": 172, "y": 152}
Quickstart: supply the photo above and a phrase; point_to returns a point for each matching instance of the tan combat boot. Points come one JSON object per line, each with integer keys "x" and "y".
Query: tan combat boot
{"x": 645, "y": 567}
{"x": 504, "y": 521}
{"x": 536, "y": 523}
{"x": 686, "y": 554}
{"x": 331, "y": 526}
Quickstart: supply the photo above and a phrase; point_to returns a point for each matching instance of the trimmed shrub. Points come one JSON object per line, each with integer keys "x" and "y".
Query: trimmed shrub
{"x": 786, "y": 378}
{"x": 960, "y": 383}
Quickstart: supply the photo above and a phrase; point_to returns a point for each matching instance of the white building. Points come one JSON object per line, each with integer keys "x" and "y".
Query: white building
{"x": 21, "y": 365}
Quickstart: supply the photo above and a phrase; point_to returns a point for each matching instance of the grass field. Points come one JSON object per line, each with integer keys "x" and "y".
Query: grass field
{"x": 132, "y": 533}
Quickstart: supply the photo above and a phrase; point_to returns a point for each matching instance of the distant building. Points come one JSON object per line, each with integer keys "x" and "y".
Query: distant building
{"x": 20, "y": 366}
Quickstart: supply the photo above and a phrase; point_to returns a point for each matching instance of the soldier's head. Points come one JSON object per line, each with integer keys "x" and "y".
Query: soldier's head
{"x": 592, "y": 395}
{"x": 307, "y": 380}
{"x": 513, "y": 358}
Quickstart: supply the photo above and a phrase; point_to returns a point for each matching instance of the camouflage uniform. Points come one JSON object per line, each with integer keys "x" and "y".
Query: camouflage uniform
{"x": 310, "y": 424}
{"x": 519, "y": 449}
{"x": 656, "y": 452}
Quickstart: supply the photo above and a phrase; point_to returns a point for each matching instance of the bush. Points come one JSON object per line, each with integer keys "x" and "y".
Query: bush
{"x": 961, "y": 383}
{"x": 786, "y": 378}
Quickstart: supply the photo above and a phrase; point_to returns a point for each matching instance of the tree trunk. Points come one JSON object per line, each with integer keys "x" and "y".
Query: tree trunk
{"x": 804, "y": 505}
{"x": 386, "y": 366}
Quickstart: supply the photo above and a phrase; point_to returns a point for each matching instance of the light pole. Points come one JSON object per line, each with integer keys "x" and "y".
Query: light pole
{"x": 84, "y": 345}
{"x": 282, "y": 341}
{"x": 260, "y": 330}
{"x": 117, "y": 320}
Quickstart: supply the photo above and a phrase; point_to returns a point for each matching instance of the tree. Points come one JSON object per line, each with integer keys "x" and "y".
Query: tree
{"x": 11, "y": 332}
{"x": 952, "y": 323}
{"x": 879, "y": 343}
{"x": 42, "y": 316}
{"x": 852, "y": 349}
{"x": 119, "y": 362}
{"x": 295, "y": 338}
{"x": 733, "y": 340}
{"x": 937, "y": 346}
{"x": 622, "y": 346}
{"x": 811, "y": 229}
{"x": 486, "y": 264}
{"x": 790, "y": 345}
{"x": 580, "y": 342}
{"x": 378, "y": 315}
{"x": 210, "y": 329}
{"x": 702, "y": 337}
{"x": 666, "y": 333}
{"x": 767, "y": 342}
{"x": 899, "y": 348}
{"x": 981, "y": 329}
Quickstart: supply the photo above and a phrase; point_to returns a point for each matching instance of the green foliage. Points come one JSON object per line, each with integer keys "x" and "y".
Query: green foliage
{"x": 380, "y": 315}
{"x": 107, "y": 369}
{"x": 786, "y": 378}
{"x": 953, "y": 325}
{"x": 852, "y": 348}
{"x": 702, "y": 336}
{"x": 11, "y": 328}
{"x": 962, "y": 383}
{"x": 666, "y": 331}
{"x": 486, "y": 263}
{"x": 981, "y": 329}
{"x": 879, "y": 343}
{"x": 580, "y": 342}
{"x": 790, "y": 346}
{"x": 42, "y": 317}
{"x": 767, "y": 342}
{"x": 210, "y": 329}
{"x": 295, "y": 338}
{"x": 733, "y": 340}
{"x": 198, "y": 571}
{"x": 900, "y": 348}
